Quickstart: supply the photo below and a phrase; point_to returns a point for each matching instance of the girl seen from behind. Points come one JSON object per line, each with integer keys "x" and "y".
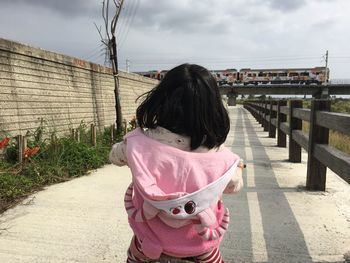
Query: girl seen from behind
{"x": 180, "y": 169}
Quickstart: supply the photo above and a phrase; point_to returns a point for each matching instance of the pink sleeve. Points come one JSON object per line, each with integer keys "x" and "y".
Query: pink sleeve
{"x": 117, "y": 155}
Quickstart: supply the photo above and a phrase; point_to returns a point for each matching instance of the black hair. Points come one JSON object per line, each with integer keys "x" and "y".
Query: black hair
{"x": 187, "y": 102}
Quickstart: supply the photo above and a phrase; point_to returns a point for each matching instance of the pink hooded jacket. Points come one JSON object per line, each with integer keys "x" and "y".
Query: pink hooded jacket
{"x": 162, "y": 172}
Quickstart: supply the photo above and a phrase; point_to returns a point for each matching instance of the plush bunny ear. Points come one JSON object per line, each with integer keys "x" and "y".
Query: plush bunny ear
{"x": 149, "y": 210}
{"x": 207, "y": 217}
{"x": 213, "y": 234}
{"x": 139, "y": 215}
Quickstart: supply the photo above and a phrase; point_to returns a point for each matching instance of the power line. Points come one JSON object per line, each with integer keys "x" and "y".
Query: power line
{"x": 326, "y": 75}
{"x": 124, "y": 16}
{"x": 88, "y": 54}
{"x": 131, "y": 22}
{"x": 128, "y": 13}
{"x": 250, "y": 62}
{"x": 97, "y": 56}
{"x": 152, "y": 62}
{"x": 238, "y": 59}
{"x": 97, "y": 52}
{"x": 339, "y": 57}
{"x": 340, "y": 62}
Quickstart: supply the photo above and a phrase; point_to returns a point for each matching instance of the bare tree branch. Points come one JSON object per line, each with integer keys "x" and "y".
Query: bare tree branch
{"x": 111, "y": 44}
{"x": 119, "y": 6}
{"x": 105, "y": 19}
{"x": 107, "y": 13}
{"x": 100, "y": 33}
{"x": 103, "y": 11}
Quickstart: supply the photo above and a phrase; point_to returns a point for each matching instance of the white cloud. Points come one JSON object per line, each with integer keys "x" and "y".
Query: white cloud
{"x": 214, "y": 33}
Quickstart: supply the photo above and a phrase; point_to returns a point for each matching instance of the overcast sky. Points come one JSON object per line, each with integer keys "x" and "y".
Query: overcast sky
{"x": 218, "y": 34}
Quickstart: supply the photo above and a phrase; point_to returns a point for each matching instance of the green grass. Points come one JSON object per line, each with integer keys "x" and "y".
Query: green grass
{"x": 336, "y": 139}
{"x": 337, "y": 105}
{"x": 57, "y": 161}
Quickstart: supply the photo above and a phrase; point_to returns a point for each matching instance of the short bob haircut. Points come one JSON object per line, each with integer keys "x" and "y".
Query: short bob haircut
{"x": 187, "y": 102}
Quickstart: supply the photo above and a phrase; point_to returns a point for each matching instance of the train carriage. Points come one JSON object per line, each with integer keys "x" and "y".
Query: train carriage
{"x": 247, "y": 76}
{"x": 225, "y": 77}
{"x": 316, "y": 75}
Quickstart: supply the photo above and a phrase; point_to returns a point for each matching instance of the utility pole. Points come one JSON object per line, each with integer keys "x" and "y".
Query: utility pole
{"x": 127, "y": 65}
{"x": 325, "y": 91}
{"x": 326, "y": 72}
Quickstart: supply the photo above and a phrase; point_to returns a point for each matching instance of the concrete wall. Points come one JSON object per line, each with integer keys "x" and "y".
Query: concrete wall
{"x": 62, "y": 90}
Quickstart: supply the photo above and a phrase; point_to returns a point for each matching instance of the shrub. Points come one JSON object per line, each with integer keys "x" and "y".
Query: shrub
{"x": 56, "y": 161}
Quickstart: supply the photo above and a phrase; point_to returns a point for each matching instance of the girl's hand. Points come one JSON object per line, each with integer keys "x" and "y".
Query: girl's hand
{"x": 236, "y": 182}
{"x": 241, "y": 164}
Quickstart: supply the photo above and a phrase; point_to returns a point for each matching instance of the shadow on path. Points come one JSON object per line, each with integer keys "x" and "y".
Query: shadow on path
{"x": 263, "y": 227}
{"x": 237, "y": 245}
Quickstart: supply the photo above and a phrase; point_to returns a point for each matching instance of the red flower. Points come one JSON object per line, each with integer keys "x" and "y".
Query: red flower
{"x": 4, "y": 143}
{"x": 31, "y": 151}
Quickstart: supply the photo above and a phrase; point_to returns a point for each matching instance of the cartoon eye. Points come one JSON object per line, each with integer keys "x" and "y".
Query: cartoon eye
{"x": 175, "y": 210}
{"x": 190, "y": 207}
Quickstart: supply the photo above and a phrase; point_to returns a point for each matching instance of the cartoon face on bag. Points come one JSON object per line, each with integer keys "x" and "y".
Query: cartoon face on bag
{"x": 188, "y": 209}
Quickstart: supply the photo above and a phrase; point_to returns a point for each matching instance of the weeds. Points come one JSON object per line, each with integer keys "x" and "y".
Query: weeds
{"x": 56, "y": 160}
{"x": 337, "y": 140}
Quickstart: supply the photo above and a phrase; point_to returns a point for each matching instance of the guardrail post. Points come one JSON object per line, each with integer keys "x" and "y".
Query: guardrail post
{"x": 112, "y": 133}
{"x": 250, "y": 106}
{"x": 53, "y": 138}
{"x": 272, "y": 128}
{"x": 266, "y": 123}
{"x": 259, "y": 113}
{"x": 281, "y": 136}
{"x": 125, "y": 126}
{"x": 77, "y": 134}
{"x": 93, "y": 134}
{"x": 72, "y": 133}
{"x": 251, "y": 109}
{"x": 294, "y": 124}
{"x": 21, "y": 148}
{"x": 316, "y": 171}
{"x": 260, "y": 106}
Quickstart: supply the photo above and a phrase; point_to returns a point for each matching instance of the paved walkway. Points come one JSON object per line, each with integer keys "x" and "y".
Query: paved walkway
{"x": 272, "y": 220}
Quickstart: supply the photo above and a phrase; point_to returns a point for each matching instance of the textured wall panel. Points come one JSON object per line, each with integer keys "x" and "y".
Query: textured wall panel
{"x": 64, "y": 91}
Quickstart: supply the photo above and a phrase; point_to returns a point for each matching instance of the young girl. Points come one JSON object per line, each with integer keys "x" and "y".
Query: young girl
{"x": 180, "y": 169}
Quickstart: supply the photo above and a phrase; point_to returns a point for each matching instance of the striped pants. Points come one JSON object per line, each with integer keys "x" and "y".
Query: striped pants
{"x": 136, "y": 255}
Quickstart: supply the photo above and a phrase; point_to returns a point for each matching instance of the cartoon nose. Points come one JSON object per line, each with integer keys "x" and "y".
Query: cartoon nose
{"x": 176, "y": 211}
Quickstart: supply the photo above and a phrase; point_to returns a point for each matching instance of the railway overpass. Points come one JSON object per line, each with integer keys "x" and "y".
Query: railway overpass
{"x": 317, "y": 91}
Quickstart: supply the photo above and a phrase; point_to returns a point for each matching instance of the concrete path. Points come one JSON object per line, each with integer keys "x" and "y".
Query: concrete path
{"x": 272, "y": 220}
